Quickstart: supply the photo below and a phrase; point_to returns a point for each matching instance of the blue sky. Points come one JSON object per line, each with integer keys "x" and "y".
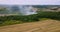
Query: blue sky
{"x": 30, "y": 2}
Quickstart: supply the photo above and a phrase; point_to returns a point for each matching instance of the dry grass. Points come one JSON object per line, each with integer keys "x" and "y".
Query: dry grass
{"x": 41, "y": 26}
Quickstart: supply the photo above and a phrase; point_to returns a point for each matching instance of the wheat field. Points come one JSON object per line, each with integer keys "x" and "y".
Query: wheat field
{"x": 41, "y": 26}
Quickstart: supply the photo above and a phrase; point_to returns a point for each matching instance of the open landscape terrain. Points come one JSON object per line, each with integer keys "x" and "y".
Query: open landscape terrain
{"x": 41, "y": 26}
{"x": 30, "y": 18}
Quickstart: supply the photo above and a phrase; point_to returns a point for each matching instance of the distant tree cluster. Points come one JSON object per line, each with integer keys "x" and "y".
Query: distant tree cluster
{"x": 3, "y": 9}
{"x": 30, "y": 18}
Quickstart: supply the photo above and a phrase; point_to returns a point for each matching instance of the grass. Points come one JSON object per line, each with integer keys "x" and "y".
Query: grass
{"x": 43, "y": 19}
{"x": 11, "y": 22}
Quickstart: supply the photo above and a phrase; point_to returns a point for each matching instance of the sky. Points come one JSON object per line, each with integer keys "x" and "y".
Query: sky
{"x": 30, "y": 2}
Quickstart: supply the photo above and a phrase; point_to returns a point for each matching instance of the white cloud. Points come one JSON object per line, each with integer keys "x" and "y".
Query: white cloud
{"x": 31, "y": 2}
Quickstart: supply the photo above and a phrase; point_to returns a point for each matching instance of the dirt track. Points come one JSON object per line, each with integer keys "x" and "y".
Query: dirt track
{"x": 43, "y": 26}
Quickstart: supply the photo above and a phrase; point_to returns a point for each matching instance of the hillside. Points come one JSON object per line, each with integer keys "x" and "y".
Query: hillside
{"x": 41, "y": 26}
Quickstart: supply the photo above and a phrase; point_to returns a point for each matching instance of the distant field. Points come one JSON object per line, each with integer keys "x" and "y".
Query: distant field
{"x": 41, "y": 26}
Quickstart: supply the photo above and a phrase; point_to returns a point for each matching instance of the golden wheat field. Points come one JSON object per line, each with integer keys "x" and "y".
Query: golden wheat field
{"x": 41, "y": 26}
